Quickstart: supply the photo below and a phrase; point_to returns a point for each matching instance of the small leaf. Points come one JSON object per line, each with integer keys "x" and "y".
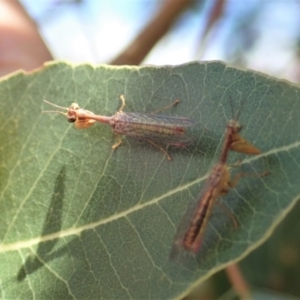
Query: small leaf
{"x": 79, "y": 220}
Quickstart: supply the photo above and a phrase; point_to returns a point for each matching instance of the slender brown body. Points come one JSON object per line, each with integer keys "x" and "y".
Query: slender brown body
{"x": 218, "y": 184}
{"x": 168, "y": 130}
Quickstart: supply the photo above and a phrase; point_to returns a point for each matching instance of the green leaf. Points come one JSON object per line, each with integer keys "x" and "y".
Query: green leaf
{"x": 79, "y": 220}
{"x": 276, "y": 265}
{"x": 269, "y": 295}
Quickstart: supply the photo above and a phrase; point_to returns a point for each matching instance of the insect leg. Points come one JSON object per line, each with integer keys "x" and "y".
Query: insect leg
{"x": 122, "y": 98}
{"x": 229, "y": 214}
{"x": 166, "y": 107}
{"x": 161, "y": 149}
{"x": 237, "y": 177}
{"x": 232, "y": 184}
{"x": 117, "y": 144}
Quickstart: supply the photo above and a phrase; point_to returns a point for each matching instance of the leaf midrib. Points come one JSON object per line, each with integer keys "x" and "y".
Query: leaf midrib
{"x": 78, "y": 230}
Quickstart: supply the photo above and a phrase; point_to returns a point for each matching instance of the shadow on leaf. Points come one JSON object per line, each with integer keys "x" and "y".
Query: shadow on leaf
{"x": 52, "y": 224}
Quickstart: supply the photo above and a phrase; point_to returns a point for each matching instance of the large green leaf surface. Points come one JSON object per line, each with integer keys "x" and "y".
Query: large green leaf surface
{"x": 81, "y": 221}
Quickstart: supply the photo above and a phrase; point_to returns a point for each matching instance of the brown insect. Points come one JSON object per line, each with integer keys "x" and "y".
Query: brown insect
{"x": 218, "y": 184}
{"x": 169, "y": 130}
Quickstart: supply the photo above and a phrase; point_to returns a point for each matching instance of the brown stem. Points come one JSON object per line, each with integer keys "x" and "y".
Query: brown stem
{"x": 238, "y": 281}
{"x": 214, "y": 16}
{"x": 157, "y": 28}
{"x": 21, "y": 46}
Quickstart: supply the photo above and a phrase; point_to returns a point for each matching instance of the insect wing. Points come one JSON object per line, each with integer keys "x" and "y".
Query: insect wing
{"x": 190, "y": 232}
{"x": 169, "y": 130}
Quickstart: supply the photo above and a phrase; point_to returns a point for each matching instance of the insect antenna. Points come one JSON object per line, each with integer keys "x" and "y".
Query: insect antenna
{"x": 55, "y": 111}
{"x": 239, "y": 111}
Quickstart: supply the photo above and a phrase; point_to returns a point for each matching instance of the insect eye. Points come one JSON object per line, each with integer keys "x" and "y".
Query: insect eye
{"x": 239, "y": 128}
{"x": 71, "y": 119}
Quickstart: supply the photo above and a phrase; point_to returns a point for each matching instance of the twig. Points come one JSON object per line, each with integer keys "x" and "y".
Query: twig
{"x": 152, "y": 33}
{"x": 238, "y": 281}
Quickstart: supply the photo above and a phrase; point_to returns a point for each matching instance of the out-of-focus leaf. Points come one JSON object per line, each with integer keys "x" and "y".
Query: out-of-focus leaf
{"x": 269, "y": 295}
{"x": 276, "y": 264}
